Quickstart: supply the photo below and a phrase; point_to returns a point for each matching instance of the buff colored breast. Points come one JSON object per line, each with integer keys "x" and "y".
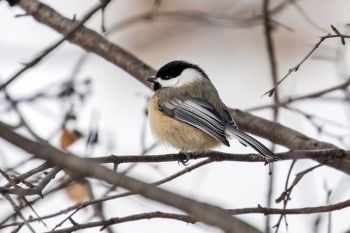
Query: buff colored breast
{"x": 180, "y": 135}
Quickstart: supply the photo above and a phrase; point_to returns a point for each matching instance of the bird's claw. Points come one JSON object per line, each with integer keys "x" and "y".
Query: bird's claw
{"x": 184, "y": 161}
{"x": 269, "y": 160}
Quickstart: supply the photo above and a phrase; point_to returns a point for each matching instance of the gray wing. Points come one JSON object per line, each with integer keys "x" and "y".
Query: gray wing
{"x": 199, "y": 114}
{"x": 228, "y": 118}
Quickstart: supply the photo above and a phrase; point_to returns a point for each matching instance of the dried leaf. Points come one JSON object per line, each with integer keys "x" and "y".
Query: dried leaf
{"x": 68, "y": 137}
{"x": 78, "y": 192}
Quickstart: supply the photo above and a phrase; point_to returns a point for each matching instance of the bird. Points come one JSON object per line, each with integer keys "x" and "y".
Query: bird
{"x": 187, "y": 113}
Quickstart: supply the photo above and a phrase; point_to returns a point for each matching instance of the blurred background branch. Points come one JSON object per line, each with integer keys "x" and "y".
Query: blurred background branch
{"x": 154, "y": 32}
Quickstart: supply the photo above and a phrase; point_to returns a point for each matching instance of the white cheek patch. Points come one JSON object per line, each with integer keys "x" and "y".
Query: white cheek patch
{"x": 187, "y": 76}
{"x": 168, "y": 83}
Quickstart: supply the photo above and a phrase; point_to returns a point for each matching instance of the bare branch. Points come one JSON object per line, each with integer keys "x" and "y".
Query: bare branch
{"x": 273, "y": 68}
{"x": 290, "y": 138}
{"x": 324, "y": 155}
{"x": 88, "y": 40}
{"x": 298, "y": 177}
{"x": 305, "y": 210}
{"x": 37, "y": 190}
{"x": 111, "y": 221}
{"x": 93, "y": 42}
{"x": 296, "y": 68}
{"x": 72, "y": 29}
{"x": 314, "y": 95}
{"x": 256, "y": 210}
{"x": 209, "y": 214}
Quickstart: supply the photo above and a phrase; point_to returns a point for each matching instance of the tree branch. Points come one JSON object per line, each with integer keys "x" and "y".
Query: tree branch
{"x": 135, "y": 217}
{"x": 305, "y": 210}
{"x": 209, "y": 214}
{"x": 313, "y": 95}
{"x": 93, "y": 42}
{"x": 289, "y": 138}
{"x": 88, "y": 40}
{"x": 74, "y": 27}
{"x": 308, "y": 55}
{"x": 273, "y": 68}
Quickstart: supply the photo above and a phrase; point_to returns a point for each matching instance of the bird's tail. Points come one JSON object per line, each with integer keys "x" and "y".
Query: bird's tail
{"x": 247, "y": 140}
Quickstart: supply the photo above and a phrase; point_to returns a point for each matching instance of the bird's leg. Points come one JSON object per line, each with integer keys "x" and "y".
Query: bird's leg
{"x": 187, "y": 157}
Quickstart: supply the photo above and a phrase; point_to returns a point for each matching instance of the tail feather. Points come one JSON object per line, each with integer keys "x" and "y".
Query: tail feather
{"x": 245, "y": 139}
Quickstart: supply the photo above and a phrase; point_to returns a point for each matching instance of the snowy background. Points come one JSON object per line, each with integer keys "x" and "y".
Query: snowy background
{"x": 235, "y": 59}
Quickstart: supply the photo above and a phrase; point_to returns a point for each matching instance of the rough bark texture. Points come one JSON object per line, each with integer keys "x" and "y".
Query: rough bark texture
{"x": 76, "y": 166}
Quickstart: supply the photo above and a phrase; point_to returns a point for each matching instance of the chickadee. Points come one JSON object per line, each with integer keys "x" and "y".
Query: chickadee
{"x": 187, "y": 113}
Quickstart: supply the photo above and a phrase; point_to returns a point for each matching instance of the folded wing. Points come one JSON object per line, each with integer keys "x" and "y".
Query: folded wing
{"x": 198, "y": 114}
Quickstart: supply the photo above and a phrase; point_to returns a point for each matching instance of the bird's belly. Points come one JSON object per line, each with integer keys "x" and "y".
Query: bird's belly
{"x": 180, "y": 135}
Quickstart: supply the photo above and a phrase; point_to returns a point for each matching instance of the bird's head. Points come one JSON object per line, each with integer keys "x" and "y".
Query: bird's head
{"x": 176, "y": 74}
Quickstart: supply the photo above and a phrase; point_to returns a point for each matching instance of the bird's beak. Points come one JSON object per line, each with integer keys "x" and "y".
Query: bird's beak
{"x": 152, "y": 79}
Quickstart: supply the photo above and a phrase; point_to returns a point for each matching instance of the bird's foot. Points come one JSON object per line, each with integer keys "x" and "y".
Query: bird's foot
{"x": 269, "y": 159}
{"x": 185, "y": 158}
{"x": 266, "y": 159}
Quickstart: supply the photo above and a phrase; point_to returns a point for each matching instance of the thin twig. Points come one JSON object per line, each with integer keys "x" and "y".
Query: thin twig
{"x": 273, "y": 68}
{"x": 18, "y": 212}
{"x": 296, "y": 68}
{"x": 285, "y": 196}
{"x": 135, "y": 217}
{"x": 210, "y": 214}
{"x": 62, "y": 185}
{"x": 14, "y": 206}
{"x": 285, "y": 201}
{"x": 313, "y": 95}
{"x": 37, "y": 190}
{"x": 52, "y": 47}
{"x": 85, "y": 204}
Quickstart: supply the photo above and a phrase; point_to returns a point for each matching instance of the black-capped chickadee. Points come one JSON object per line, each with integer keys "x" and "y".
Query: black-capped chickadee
{"x": 187, "y": 113}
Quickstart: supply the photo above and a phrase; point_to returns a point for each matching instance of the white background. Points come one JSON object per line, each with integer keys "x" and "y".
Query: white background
{"x": 236, "y": 61}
